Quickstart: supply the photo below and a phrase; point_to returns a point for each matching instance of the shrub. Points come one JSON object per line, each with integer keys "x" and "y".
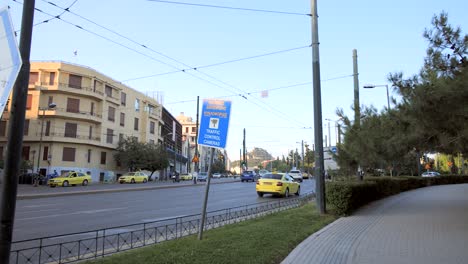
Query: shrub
{"x": 347, "y": 196}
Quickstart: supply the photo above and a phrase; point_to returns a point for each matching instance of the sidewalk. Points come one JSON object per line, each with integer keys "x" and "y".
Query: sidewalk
{"x": 27, "y": 191}
{"x": 427, "y": 225}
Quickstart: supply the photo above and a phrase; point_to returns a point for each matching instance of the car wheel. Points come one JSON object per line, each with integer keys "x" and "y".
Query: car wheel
{"x": 121, "y": 182}
{"x": 52, "y": 186}
{"x": 260, "y": 194}
{"x": 132, "y": 181}
{"x": 65, "y": 184}
{"x": 144, "y": 180}
{"x": 242, "y": 180}
{"x": 286, "y": 193}
{"x": 298, "y": 191}
{"x": 85, "y": 182}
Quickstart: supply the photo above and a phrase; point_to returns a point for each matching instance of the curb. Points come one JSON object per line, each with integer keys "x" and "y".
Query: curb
{"x": 46, "y": 195}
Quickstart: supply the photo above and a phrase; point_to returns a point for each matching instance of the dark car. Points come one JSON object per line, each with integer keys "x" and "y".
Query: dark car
{"x": 248, "y": 176}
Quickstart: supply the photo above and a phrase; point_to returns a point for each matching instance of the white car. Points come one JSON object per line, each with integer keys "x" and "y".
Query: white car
{"x": 430, "y": 174}
{"x": 296, "y": 175}
{"x": 216, "y": 175}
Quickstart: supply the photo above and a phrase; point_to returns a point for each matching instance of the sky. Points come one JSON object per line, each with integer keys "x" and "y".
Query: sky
{"x": 272, "y": 96}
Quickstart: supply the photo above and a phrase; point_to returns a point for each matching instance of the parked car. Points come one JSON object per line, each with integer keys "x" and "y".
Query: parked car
{"x": 186, "y": 177}
{"x": 133, "y": 177}
{"x": 70, "y": 178}
{"x": 296, "y": 175}
{"x": 216, "y": 175}
{"x": 202, "y": 176}
{"x": 277, "y": 184}
{"x": 430, "y": 174}
{"x": 247, "y": 176}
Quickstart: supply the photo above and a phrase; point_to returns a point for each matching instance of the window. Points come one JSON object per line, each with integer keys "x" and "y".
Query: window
{"x": 25, "y": 152}
{"x": 121, "y": 137}
{"x": 151, "y": 109}
{"x": 70, "y": 130}
{"x": 90, "y": 132}
{"x": 33, "y": 77}
{"x": 123, "y": 98}
{"x": 111, "y": 114}
{"x": 110, "y": 135}
{"x": 135, "y": 126}
{"x": 68, "y": 154}
{"x": 1, "y": 153}
{"x": 74, "y": 81}
{"x": 50, "y": 100}
{"x": 89, "y": 156}
{"x": 186, "y": 129}
{"x": 122, "y": 119}
{"x": 108, "y": 91}
{"x": 47, "y": 128}
{"x": 26, "y": 127}
{"x": 152, "y": 127}
{"x": 194, "y": 129}
{"x": 51, "y": 78}
{"x": 103, "y": 157}
{"x": 95, "y": 85}
{"x": 73, "y": 105}
{"x": 92, "y": 109}
{"x": 3, "y": 125}
{"x": 45, "y": 153}
{"x": 137, "y": 105}
{"x": 29, "y": 102}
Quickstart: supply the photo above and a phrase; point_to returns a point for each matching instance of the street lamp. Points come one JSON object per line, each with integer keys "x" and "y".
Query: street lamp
{"x": 329, "y": 135}
{"x": 371, "y": 86}
{"x": 51, "y": 106}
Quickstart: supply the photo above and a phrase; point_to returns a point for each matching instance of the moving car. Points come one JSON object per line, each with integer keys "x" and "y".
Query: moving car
{"x": 277, "y": 184}
{"x": 216, "y": 175}
{"x": 202, "y": 176}
{"x": 70, "y": 178}
{"x": 133, "y": 177}
{"x": 248, "y": 176}
{"x": 296, "y": 175}
{"x": 262, "y": 172}
{"x": 430, "y": 174}
{"x": 186, "y": 177}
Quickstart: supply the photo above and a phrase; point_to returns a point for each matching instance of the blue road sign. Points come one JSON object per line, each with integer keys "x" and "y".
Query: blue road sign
{"x": 214, "y": 123}
{"x": 333, "y": 149}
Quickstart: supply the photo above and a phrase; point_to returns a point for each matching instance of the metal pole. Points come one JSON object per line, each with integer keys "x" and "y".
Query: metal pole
{"x": 40, "y": 146}
{"x": 319, "y": 164}
{"x": 15, "y": 136}
{"x": 205, "y": 201}
{"x": 197, "y": 166}
{"x": 329, "y": 134}
{"x": 357, "y": 110}
{"x": 302, "y": 144}
{"x": 388, "y": 98}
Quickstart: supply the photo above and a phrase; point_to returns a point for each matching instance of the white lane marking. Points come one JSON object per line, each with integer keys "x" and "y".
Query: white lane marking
{"x": 39, "y": 205}
{"x": 162, "y": 218}
{"x": 74, "y": 213}
{"x": 38, "y": 211}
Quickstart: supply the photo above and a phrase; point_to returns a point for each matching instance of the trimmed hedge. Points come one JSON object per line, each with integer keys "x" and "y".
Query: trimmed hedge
{"x": 347, "y": 196}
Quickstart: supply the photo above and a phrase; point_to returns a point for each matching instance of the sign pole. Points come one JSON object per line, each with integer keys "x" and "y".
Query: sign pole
{"x": 205, "y": 201}
{"x": 15, "y": 136}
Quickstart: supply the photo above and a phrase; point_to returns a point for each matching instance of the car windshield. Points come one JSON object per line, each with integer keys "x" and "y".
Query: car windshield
{"x": 248, "y": 172}
{"x": 272, "y": 176}
{"x": 294, "y": 171}
{"x": 65, "y": 174}
{"x": 131, "y": 174}
{"x": 202, "y": 174}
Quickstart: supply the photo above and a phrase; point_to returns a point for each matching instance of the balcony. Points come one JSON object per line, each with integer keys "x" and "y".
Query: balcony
{"x": 81, "y": 115}
{"x": 76, "y": 139}
{"x": 64, "y": 87}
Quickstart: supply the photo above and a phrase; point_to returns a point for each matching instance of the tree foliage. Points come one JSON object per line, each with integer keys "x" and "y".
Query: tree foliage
{"x": 430, "y": 117}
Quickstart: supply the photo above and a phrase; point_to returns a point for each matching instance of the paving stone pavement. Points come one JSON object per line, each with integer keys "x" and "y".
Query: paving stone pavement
{"x": 427, "y": 225}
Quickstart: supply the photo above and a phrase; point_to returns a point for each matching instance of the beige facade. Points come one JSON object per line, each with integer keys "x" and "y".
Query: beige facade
{"x": 82, "y": 132}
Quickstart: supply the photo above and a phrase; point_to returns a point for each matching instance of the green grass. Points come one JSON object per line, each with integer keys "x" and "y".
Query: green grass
{"x": 267, "y": 239}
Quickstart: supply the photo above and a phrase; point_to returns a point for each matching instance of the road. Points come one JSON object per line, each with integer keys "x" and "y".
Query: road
{"x": 50, "y": 216}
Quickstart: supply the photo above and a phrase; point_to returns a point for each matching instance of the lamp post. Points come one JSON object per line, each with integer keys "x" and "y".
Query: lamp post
{"x": 371, "y": 86}
{"x": 51, "y": 106}
{"x": 329, "y": 134}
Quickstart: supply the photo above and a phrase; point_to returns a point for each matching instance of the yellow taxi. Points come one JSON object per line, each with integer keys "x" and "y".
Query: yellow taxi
{"x": 70, "y": 178}
{"x": 133, "y": 177}
{"x": 277, "y": 184}
{"x": 186, "y": 177}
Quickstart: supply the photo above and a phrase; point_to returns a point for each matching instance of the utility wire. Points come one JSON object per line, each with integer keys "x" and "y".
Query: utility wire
{"x": 286, "y": 117}
{"x": 58, "y": 16}
{"x": 231, "y": 8}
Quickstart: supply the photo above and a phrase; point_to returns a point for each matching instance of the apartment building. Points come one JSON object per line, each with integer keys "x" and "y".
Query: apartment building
{"x": 75, "y": 117}
{"x": 172, "y": 139}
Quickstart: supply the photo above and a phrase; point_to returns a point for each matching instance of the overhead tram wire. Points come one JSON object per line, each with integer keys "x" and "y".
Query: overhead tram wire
{"x": 242, "y": 94}
{"x": 232, "y": 8}
{"x": 59, "y": 15}
{"x": 286, "y": 117}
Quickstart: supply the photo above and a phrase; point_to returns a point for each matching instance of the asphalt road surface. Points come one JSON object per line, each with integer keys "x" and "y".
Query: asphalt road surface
{"x": 51, "y": 216}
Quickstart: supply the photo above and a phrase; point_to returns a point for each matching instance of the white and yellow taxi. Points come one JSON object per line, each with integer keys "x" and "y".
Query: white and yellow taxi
{"x": 70, "y": 178}
{"x": 277, "y": 184}
{"x": 134, "y": 177}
